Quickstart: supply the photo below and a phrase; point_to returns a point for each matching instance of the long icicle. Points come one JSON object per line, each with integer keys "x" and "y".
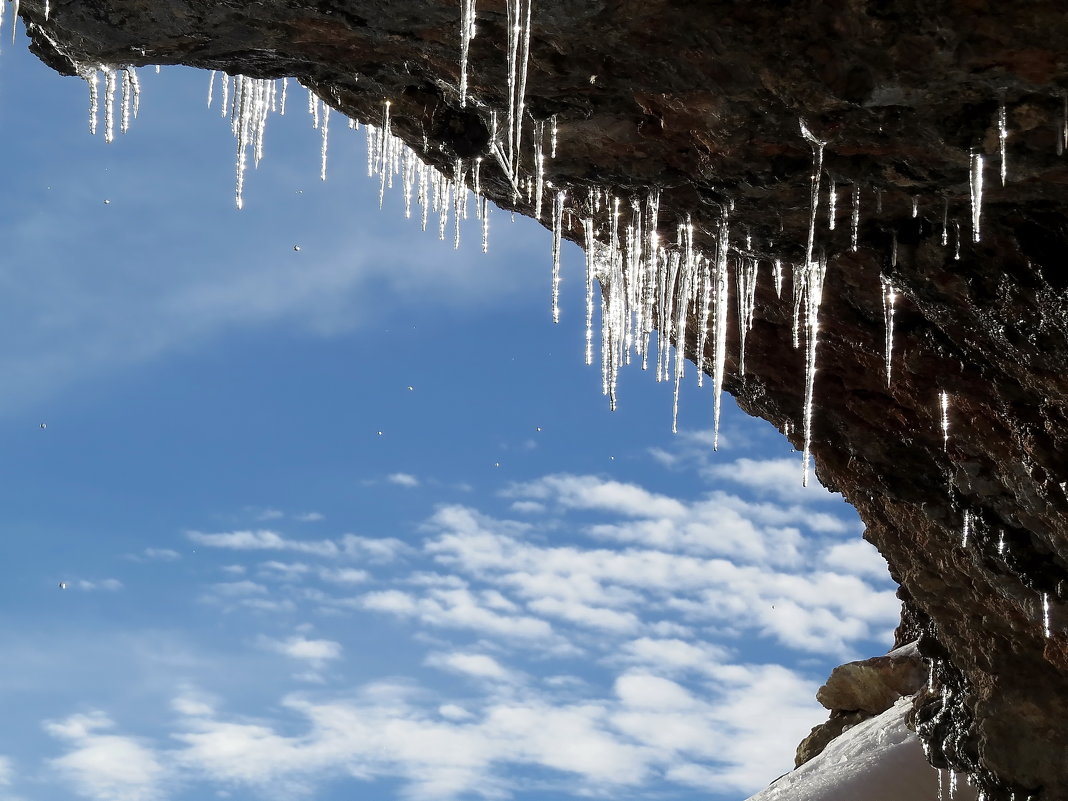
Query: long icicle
{"x": 889, "y": 297}
{"x": 720, "y": 342}
{"x": 815, "y": 273}
{"x": 558, "y": 221}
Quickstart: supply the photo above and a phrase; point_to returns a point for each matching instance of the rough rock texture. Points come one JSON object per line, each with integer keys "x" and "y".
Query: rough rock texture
{"x": 873, "y": 685}
{"x": 703, "y": 100}
{"x": 822, "y": 735}
{"x": 860, "y": 690}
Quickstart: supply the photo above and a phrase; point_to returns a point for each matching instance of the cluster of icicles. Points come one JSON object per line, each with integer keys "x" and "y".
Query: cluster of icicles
{"x": 647, "y": 284}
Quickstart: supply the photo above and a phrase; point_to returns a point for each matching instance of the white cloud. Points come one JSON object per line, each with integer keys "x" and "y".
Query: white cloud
{"x": 7, "y": 771}
{"x": 374, "y": 549}
{"x": 155, "y": 555}
{"x": 236, "y": 589}
{"x": 403, "y": 479}
{"x": 777, "y": 478}
{"x": 458, "y": 608}
{"x": 104, "y": 766}
{"x": 590, "y": 492}
{"x": 309, "y": 517}
{"x": 859, "y": 558}
{"x": 315, "y": 652}
{"x": 344, "y": 575}
{"x": 263, "y": 540}
{"x": 108, "y": 585}
{"x": 480, "y": 666}
{"x": 283, "y": 571}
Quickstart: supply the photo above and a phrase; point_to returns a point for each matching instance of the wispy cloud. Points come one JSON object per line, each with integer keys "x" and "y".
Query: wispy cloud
{"x": 107, "y": 585}
{"x": 105, "y": 766}
{"x": 403, "y": 479}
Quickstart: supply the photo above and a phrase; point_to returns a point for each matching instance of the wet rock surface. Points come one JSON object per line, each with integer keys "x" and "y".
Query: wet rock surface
{"x": 703, "y": 101}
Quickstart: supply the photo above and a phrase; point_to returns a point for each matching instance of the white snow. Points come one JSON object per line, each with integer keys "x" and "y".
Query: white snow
{"x": 877, "y": 760}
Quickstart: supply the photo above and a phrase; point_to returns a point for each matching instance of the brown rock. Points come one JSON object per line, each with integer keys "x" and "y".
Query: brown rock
{"x": 821, "y": 735}
{"x": 873, "y": 685}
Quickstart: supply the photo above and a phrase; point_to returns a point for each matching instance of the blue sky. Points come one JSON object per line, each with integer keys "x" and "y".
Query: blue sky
{"x": 341, "y": 513}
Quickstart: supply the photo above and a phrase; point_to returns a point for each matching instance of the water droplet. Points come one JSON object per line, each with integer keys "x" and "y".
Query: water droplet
{"x": 44, "y": 425}
{"x": 296, "y": 248}
{"x": 107, "y": 202}
{"x": 63, "y": 585}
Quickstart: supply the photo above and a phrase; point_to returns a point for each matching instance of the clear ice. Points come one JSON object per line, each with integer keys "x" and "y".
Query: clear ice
{"x": 976, "y": 184}
{"x": 943, "y": 405}
{"x": 889, "y": 297}
{"x": 1003, "y": 135}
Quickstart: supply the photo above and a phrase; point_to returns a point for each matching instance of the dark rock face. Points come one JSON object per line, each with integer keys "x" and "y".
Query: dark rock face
{"x": 702, "y": 100}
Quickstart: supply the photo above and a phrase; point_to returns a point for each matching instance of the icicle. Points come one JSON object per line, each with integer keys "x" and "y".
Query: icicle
{"x": 539, "y": 167}
{"x": 856, "y": 217}
{"x": 956, "y": 250}
{"x": 777, "y": 275}
{"x": 325, "y": 126}
{"x": 459, "y": 191}
{"x": 225, "y": 103}
{"x": 14, "y": 19}
{"x": 814, "y": 193}
{"x": 832, "y": 203}
{"x": 47, "y": 9}
{"x": 889, "y": 296}
{"x": 1045, "y": 614}
{"x": 558, "y": 224}
{"x": 945, "y": 221}
{"x": 94, "y": 96}
{"x": 241, "y": 98}
{"x": 1062, "y": 140}
{"x": 591, "y": 246}
{"x": 940, "y": 796}
{"x": 966, "y": 528}
{"x": 135, "y": 89}
{"x": 976, "y": 183}
{"x": 211, "y": 87}
{"x": 814, "y": 274}
{"x": 109, "y": 102}
{"x": 285, "y": 93}
{"x": 952, "y": 784}
{"x": 746, "y": 275}
{"x": 521, "y": 90}
{"x": 685, "y": 282}
{"x": 485, "y": 224}
{"x": 1001, "y": 543}
{"x": 383, "y": 159}
{"x": 467, "y": 32}
{"x": 943, "y": 403}
{"x": 720, "y": 339}
{"x": 893, "y": 248}
{"x": 915, "y": 206}
{"x": 124, "y": 117}
{"x": 552, "y": 136}
{"x": 313, "y": 108}
{"x": 1003, "y": 135}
